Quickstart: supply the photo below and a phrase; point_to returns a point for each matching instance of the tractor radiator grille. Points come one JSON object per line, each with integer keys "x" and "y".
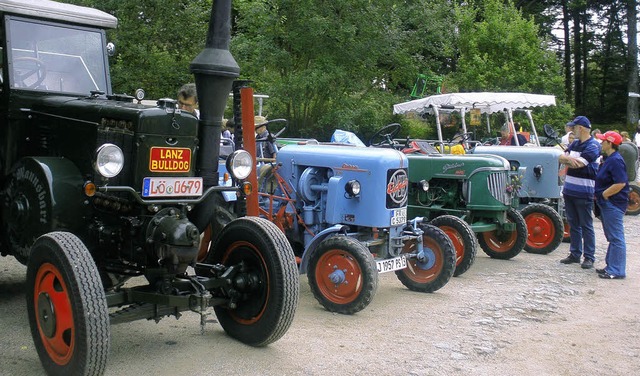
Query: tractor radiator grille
{"x": 497, "y": 182}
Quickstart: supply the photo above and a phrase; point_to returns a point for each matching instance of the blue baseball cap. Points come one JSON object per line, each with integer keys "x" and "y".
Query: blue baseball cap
{"x": 581, "y": 120}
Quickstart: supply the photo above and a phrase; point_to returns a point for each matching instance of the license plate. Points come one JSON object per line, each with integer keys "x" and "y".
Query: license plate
{"x": 399, "y": 217}
{"x": 390, "y": 265}
{"x": 171, "y": 187}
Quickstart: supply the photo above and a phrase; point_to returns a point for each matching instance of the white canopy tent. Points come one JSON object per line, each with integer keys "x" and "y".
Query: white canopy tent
{"x": 487, "y": 102}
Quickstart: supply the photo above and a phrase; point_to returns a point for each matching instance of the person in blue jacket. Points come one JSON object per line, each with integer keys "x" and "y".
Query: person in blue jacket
{"x": 612, "y": 196}
{"x": 582, "y": 160}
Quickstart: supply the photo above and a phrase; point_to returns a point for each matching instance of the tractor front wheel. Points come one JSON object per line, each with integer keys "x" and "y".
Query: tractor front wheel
{"x": 463, "y": 239}
{"x": 545, "y": 229}
{"x": 67, "y": 307}
{"x": 634, "y": 200}
{"x": 434, "y": 266}
{"x": 342, "y": 275}
{"x": 267, "y": 280}
{"x": 502, "y": 244}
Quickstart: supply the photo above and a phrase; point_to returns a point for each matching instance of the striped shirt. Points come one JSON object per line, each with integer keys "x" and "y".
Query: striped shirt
{"x": 581, "y": 182}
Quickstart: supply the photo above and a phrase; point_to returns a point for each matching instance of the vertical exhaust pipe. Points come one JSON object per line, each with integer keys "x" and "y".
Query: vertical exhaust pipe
{"x": 214, "y": 70}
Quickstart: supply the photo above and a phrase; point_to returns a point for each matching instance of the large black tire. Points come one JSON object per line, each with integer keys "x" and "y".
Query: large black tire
{"x": 502, "y": 244}
{"x": 266, "y": 309}
{"x": 463, "y": 239}
{"x": 435, "y": 269}
{"x": 545, "y": 228}
{"x": 68, "y": 311}
{"x": 634, "y": 200}
{"x": 342, "y": 275}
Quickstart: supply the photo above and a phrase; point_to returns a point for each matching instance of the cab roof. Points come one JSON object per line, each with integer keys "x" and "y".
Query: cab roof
{"x": 59, "y": 11}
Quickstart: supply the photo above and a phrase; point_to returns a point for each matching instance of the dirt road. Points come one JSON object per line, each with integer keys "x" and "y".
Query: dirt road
{"x": 527, "y": 316}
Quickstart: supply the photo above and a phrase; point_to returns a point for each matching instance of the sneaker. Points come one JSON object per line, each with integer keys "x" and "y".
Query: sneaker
{"x": 570, "y": 260}
{"x": 601, "y": 271}
{"x": 587, "y": 264}
{"x": 606, "y": 275}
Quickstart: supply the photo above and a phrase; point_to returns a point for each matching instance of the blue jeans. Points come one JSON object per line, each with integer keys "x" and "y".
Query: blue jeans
{"x": 613, "y": 225}
{"x": 580, "y": 217}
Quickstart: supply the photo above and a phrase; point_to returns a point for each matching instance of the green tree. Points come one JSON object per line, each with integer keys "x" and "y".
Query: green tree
{"x": 501, "y": 51}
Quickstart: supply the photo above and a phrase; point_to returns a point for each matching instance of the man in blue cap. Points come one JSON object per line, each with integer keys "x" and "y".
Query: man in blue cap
{"x": 581, "y": 158}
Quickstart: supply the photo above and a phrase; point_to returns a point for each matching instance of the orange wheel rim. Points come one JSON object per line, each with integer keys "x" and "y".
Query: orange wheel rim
{"x": 566, "y": 232}
{"x": 634, "y": 201}
{"x": 458, "y": 242}
{"x": 54, "y": 315}
{"x": 540, "y": 230}
{"x": 500, "y": 242}
{"x": 252, "y": 309}
{"x": 425, "y": 272}
{"x": 341, "y": 267}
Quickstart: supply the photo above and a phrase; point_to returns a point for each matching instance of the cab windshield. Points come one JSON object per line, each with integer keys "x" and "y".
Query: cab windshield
{"x": 50, "y": 57}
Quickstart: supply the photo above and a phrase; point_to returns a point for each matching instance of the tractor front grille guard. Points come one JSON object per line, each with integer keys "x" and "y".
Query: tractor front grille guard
{"x": 497, "y": 184}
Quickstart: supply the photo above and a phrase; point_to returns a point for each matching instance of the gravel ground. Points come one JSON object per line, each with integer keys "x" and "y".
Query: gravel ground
{"x": 527, "y": 316}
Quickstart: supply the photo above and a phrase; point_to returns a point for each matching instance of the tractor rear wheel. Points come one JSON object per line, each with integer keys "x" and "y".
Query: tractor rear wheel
{"x": 544, "y": 228}
{"x": 634, "y": 200}
{"x": 431, "y": 270}
{"x": 463, "y": 239}
{"x": 342, "y": 275}
{"x": 267, "y": 280}
{"x": 566, "y": 233}
{"x": 502, "y": 244}
{"x": 67, "y": 307}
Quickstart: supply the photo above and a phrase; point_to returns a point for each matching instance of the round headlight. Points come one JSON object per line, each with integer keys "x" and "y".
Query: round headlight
{"x": 240, "y": 164}
{"x": 109, "y": 160}
{"x": 352, "y": 187}
{"x": 424, "y": 185}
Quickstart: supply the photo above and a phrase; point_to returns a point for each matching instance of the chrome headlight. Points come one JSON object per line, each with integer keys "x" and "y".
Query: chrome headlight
{"x": 424, "y": 185}
{"x": 352, "y": 188}
{"x": 109, "y": 160}
{"x": 240, "y": 164}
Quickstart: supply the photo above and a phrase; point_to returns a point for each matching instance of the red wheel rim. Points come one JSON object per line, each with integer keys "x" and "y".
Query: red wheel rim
{"x": 500, "y": 243}
{"x": 566, "y": 232}
{"x": 341, "y": 293}
{"x": 456, "y": 239}
{"x": 634, "y": 201}
{"x": 540, "y": 230}
{"x": 53, "y": 314}
{"x": 417, "y": 273}
{"x": 251, "y": 310}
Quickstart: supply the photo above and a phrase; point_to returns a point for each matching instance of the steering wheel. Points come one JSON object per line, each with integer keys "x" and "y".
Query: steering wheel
{"x": 461, "y": 138}
{"x": 549, "y": 131}
{"x": 386, "y": 135}
{"x": 39, "y": 70}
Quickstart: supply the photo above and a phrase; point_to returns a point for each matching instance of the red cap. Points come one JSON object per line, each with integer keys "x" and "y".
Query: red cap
{"x": 610, "y": 136}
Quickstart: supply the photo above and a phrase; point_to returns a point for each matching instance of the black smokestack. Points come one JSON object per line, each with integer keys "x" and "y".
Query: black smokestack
{"x": 214, "y": 70}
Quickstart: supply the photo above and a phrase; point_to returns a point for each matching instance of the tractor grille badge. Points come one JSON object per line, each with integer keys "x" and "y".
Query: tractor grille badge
{"x": 397, "y": 188}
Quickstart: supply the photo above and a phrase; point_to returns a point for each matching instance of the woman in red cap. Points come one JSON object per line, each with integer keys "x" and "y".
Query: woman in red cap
{"x": 612, "y": 195}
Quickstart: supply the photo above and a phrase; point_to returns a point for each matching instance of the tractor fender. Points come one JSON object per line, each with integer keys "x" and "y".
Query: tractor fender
{"x": 316, "y": 240}
{"x": 41, "y": 194}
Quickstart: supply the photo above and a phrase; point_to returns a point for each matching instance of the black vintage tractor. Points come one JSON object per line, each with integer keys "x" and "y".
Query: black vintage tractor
{"x": 96, "y": 190}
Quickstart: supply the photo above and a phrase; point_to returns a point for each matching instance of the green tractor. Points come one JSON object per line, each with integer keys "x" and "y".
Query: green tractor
{"x": 456, "y": 192}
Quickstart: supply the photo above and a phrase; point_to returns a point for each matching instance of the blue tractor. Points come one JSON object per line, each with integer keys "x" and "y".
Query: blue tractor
{"x": 344, "y": 210}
